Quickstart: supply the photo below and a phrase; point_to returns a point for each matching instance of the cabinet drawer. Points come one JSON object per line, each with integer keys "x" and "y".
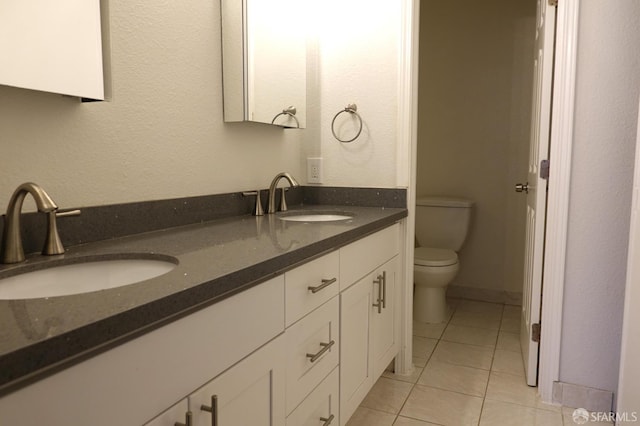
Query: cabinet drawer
{"x": 310, "y": 285}
{"x": 318, "y": 408}
{"x": 363, "y": 256}
{"x": 316, "y": 334}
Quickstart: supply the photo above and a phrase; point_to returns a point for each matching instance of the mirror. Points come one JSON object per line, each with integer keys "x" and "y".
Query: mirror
{"x": 264, "y": 61}
{"x": 52, "y": 46}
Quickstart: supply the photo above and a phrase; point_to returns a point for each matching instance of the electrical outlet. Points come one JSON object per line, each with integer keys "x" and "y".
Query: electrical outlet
{"x": 314, "y": 170}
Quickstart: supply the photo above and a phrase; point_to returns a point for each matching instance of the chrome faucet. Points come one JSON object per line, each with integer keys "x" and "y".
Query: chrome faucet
{"x": 271, "y": 207}
{"x": 11, "y": 250}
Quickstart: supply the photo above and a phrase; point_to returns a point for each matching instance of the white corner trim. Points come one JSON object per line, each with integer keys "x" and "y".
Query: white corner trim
{"x": 407, "y": 127}
{"x": 558, "y": 196}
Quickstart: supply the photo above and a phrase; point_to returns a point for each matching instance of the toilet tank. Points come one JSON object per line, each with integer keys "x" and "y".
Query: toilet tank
{"x": 442, "y": 222}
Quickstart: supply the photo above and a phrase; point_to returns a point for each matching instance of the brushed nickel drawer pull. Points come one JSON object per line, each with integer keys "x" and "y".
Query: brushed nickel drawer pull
{"x": 327, "y": 420}
{"x": 188, "y": 420}
{"x": 325, "y": 283}
{"x": 213, "y": 409}
{"x": 325, "y": 347}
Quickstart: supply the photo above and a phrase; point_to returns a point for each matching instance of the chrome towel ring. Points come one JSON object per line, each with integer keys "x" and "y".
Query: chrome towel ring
{"x": 291, "y": 112}
{"x": 351, "y": 109}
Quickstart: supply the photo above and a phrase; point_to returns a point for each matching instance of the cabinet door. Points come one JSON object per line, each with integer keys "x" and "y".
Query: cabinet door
{"x": 355, "y": 369}
{"x": 250, "y": 393}
{"x": 385, "y": 320}
{"x": 321, "y": 406}
{"x": 177, "y": 413}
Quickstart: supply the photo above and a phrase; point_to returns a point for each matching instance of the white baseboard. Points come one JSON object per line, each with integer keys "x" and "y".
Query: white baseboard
{"x": 577, "y": 396}
{"x": 485, "y": 295}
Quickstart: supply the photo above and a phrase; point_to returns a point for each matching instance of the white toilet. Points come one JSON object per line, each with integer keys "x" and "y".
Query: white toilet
{"x": 441, "y": 228}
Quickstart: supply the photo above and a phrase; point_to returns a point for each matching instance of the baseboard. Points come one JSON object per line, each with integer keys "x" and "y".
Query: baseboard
{"x": 485, "y": 295}
{"x": 577, "y": 396}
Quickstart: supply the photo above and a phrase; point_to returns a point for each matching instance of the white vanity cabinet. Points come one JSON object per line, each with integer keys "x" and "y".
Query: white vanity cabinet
{"x": 303, "y": 348}
{"x": 369, "y": 316}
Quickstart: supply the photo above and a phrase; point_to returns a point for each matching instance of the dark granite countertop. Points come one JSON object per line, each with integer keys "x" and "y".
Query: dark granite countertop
{"x": 215, "y": 260}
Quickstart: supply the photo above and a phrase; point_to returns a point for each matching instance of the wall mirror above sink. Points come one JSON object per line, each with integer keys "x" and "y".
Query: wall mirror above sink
{"x": 54, "y": 46}
{"x": 264, "y": 61}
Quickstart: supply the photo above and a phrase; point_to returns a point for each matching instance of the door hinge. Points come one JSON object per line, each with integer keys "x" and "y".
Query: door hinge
{"x": 535, "y": 332}
{"x": 544, "y": 169}
{"x": 553, "y": 3}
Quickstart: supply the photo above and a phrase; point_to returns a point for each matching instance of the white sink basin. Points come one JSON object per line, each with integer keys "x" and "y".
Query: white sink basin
{"x": 76, "y": 278}
{"x": 315, "y": 217}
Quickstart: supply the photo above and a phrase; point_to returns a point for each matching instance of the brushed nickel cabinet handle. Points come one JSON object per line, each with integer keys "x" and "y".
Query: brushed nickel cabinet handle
{"x": 188, "y": 420}
{"x": 384, "y": 289}
{"x": 380, "y": 303}
{"x": 213, "y": 409}
{"x": 325, "y": 283}
{"x": 325, "y": 347}
{"x": 327, "y": 420}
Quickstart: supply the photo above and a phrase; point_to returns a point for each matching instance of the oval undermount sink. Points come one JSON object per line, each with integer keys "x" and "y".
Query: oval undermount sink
{"x": 83, "y": 277}
{"x": 315, "y": 216}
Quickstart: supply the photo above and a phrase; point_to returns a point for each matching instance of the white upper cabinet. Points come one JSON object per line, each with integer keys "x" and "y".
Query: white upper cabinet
{"x": 52, "y": 46}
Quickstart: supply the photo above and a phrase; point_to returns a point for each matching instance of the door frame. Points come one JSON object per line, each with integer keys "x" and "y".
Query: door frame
{"x": 560, "y": 150}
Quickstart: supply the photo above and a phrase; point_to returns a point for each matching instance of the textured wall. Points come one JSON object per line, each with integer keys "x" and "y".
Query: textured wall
{"x": 608, "y": 84}
{"x": 476, "y": 61}
{"x": 162, "y": 136}
{"x": 358, "y": 63}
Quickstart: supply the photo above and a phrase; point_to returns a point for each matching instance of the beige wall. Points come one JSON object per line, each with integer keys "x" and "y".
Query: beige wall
{"x": 474, "y": 111}
{"x": 162, "y": 135}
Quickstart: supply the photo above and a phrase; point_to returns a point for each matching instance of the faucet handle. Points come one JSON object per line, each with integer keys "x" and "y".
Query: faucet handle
{"x": 283, "y": 200}
{"x": 66, "y": 213}
{"x": 257, "y": 211}
{"x": 53, "y": 244}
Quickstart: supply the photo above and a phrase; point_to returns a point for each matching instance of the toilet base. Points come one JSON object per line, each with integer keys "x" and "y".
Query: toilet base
{"x": 430, "y": 304}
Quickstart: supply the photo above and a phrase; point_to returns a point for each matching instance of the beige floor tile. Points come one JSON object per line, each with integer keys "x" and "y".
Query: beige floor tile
{"x": 498, "y": 413}
{"x": 442, "y": 407}
{"x": 387, "y": 395}
{"x": 470, "y": 335}
{"x": 475, "y": 319}
{"x": 411, "y": 378}
{"x": 480, "y": 307}
{"x": 511, "y": 325}
{"x": 433, "y": 331}
{"x": 548, "y": 407}
{"x": 419, "y": 362}
{"x": 368, "y": 417}
{"x": 510, "y": 388}
{"x": 509, "y": 341}
{"x": 508, "y": 362}
{"x": 456, "y": 378}
{"x": 423, "y": 346}
{"x": 463, "y": 354}
{"x": 511, "y": 311}
{"x": 406, "y": 421}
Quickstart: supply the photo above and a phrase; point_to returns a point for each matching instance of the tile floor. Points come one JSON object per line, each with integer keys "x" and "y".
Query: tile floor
{"x": 467, "y": 371}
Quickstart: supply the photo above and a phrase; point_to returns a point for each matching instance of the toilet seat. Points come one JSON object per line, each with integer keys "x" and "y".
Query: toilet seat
{"x": 429, "y": 256}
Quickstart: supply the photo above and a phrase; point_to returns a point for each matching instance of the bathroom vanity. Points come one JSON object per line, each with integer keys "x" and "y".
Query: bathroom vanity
{"x": 263, "y": 321}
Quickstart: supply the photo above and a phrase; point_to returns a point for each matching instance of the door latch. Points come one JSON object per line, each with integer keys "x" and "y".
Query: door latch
{"x": 544, "y": 169}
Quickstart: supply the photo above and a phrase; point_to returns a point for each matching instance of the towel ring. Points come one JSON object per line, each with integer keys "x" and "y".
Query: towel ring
{"x": 291, "y": 112}
{"x": 352, "y": 109}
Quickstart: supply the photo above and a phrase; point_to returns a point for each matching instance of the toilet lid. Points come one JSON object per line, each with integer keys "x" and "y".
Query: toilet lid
{"x": 427, "y": 256}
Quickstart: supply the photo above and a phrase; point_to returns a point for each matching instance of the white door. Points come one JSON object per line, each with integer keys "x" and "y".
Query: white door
{"x": 629, "y": 379}
{"x": 536, "y": 186}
